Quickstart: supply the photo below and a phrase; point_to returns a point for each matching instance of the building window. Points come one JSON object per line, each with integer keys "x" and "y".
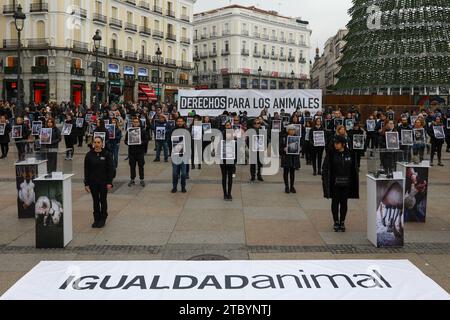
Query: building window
{"x": 77, "y": 63}
{"x": 244, "y": 83}
{"x": 40, "y": 61}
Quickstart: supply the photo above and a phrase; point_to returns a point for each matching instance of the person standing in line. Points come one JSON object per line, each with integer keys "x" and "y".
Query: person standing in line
{"x": 316, "y": 151}
{"x": 20, "y": 142}
{"x": 228, "y": 166}
{"x": 114, "y": 144}
{"x": 101, "y": 128}
{"x": 70, "y": 139}
{"x": 98, "y": 180}
{"x": 179, "y": 171}
{"x": 404, "y": 125}
{"x": 255, "y": 169}
{"x": 436, "y": 142}
{"x": 419, "y": 146}
{"x": 340, "y": 181}
{"x": 4, "y": 138}
{"x": 79, "y": 130}
{"x": 357, "y": 154}
{"x": 52, "y": 149}
{"x": 289, "y": 162}
{"x": 136, "y": 155}
{"x": 162, "y": 134}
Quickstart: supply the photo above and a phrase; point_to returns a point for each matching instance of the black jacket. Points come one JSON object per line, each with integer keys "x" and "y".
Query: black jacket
{"x": 25, "y": 133}
{"x": 138, "y": 149}
{"x": 328, "y": 175}
{"x": 5, "y": 137}
{"x": 288, "y": 160}
{"x": 98, "y": 168}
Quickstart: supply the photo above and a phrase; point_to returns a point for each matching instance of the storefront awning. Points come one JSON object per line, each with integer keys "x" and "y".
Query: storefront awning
{"x": 149, "y": 93}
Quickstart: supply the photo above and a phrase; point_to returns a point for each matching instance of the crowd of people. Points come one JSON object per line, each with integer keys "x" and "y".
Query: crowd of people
{"x": 330, "y": 142}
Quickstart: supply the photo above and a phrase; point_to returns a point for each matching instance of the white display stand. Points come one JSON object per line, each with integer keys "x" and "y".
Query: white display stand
{"x": 379, "y": 230}
{"x": 417, "y": 211}
{"x": 54, "y": 211}
{"x": 26, "y": 172}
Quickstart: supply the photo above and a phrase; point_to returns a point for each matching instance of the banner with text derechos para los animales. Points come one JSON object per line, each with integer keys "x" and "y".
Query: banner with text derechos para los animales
{"x": 214, "y": 102}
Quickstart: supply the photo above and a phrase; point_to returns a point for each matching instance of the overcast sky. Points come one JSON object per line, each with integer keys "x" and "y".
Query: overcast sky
{"x": 326, "y": 17}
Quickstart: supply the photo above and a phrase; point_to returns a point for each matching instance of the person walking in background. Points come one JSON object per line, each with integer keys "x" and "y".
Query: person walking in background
{"x": 136, "y": 154}
{"x": 70, "y": 139}
{"x": 4, "y": 138}
{"x": 20, "y": 142}
{"x": 289, "y": 162}
{"x": 436, "y": 131}
{"x": 98, "y": 179}
{"x": 340, "y": 181}
{"x": 162, "y": 133}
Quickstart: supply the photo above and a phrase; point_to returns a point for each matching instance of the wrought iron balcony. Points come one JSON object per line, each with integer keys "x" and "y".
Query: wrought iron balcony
{"x": 245, "y": 32}
{"x": 9, "y": 9}
{"x": 115, "y": 23}
{"x": 115, "y": 52}
{"x": 38, "y": 43}
{"x": 185, "y": 18}
{"x": 10, "y": 44}
{"x": 145, "y": 31}
{"x": 130, "y": 27}
{"x": 225, "y": 52}
{"x": 77, "y": 72}
{"x": 99, "y": 18}
{"x": 98, "y": 73}
{"x": 171, "y": 62}
{"x": 158, "y": 34}
{"x": 39, "y": 69}
{"x": 145, "y": 58}
{"x": 131, "y": 55}
{"x": 11, "y": 70}
{"x": 171, "y": 37}
{"x": 80, "y": 46}
{"x": 39, "y": 7}
{"x": 170, "y": 13}
{"x": 213, "y": 54}
{"x": 185, "y": 40}
{"x": 291, "y": 59}
{"x": 257, "y": 54}
{"x": 186, "y": 65}
{"x": 157, "y": 9}
{"x": 283, "y": 58}
{"x": 144, "y": 5}
{"x": 245, "y": 52}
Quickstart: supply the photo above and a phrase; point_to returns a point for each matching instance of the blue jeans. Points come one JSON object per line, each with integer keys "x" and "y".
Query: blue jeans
{"x": 163, "y": 145}
{"x": 177, "y": 171}
{"x": 115, "y": 154}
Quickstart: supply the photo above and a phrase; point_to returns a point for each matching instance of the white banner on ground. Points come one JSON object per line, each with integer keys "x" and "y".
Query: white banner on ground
{"x": 214, "y": 102}
{"x": 228, "y": 280}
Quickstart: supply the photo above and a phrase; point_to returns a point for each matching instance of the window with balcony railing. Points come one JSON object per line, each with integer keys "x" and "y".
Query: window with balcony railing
{"x": 157, "y": 9}
{"x": 12, "y": 43}
{"x": 39, "y": 7}
{"x": 225, "y": 52}
{"x": 77, "y": 71}
{"x": 132, "y": 2}
{"x": 80, "y": 46}
{"x": 9, "y": 9}
{"x": 245, "y": 32}
{"x": 79, "y": 12}
{"x": 185, "y": 18}
{"x": 170, "y": 13}
{"x": 158, "y": 34}
{"x": 257, "y": 54}
{"x": 145, "y": 30}
{"x": 131, "y": 55}
{"x": 245, "y": 52}
{"x": 115, "y": 52}
{"x": 171, "y": 36}
{"x": 113, "y": 22}
{"x": 185, "y": 40}
{"x": 145, "y": 58}
{"x": 130, "y": 27}
{"x": 38, "y": 43}
{"x": 144, "y": 5}
{"x": 171, "y": 62}
{"x": 97, "y": 17}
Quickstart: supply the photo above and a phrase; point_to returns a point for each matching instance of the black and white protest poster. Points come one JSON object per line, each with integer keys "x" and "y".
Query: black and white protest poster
{"x": 276, "y": 125}
{"x": 293, "y": 145}
{"x": 439, "y": 132}
{"x": 79, "y": 122}
{"x": 67, "y": 129}
{"x": 391, "y": 116}
{"x": 111, "y": 128}
{"x": 45, "y": 137}
{"x": 228, "y": 148}
{"x": 371, "y": 124}
{"x": 358, "y": 142}
{"x": 16, "y": 132}
{"x": 36, "y": 128}
{"x": 160, "y": 133}
{"x": 207, "y": 129}
{"x": 101, "y": 135}
{"x": 448, "y": 123}
{"x": 197, "y": 132}
{"x": 392, "y": 141}
{"x": 134, "y": 136}
{"x": 178, "y": 145}
{"x": 2, "y": 129}
{"x": 319, "y": 138}
{"x": 189, "y": 122}
{"x": 307, "y": 132}
{"x": 215, "y": 102}
{"x": 237, "y": 131}
{"x": 419, "y": 136}
{"x": 259, "y": 143}
{"x": 349, "y": 124}
{"x": 338, "y": 122}
{"x": 298, "y": 130}
{"x": 407, "y": 138}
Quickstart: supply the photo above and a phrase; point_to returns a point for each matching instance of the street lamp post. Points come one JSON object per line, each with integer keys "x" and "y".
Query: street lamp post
{"x": 19, "y": 22}
{"x": 158, "y": 55}
{"x": 293, "y": 79}
{"x": 259, "y": 73}
{"x": 198, "y": 79}
{"x": 97, "y": 41}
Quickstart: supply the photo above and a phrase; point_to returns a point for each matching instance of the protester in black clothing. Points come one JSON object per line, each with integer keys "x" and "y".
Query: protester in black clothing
{"x": 20, "y": 142}
{"x": 436, "y": 141}
{"x": 70, "y": 139}
{"x": 79, "y": 128}
{"x": 289, "y": 162}
{"x": 136, "y": 154}
{"x": 340, "y": 181}
{"x": 98, "y": 179}
{"x": 357, "y": 154}
{"x": 228, "y": 166}
{"x": 404, "y": 125}
{"x": 101, "y": 128}
{"x": 4, "y": 138}
{"x": 52, "y": 149}
{"x": 255, "y": 168}
{"x": 316, "y": 151}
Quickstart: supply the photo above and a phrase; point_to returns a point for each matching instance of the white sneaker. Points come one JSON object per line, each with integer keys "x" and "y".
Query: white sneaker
{"x": 234, "y": 176}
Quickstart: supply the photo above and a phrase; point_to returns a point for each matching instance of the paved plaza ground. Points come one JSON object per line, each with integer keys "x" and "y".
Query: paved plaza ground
{"x": 261, "y": 223}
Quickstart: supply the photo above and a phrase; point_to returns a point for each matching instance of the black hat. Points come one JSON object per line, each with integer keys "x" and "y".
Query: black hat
{"x": 340, "y": 139}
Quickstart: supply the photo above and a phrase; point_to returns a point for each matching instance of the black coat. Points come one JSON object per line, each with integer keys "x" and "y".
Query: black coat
{"x": 328, "y": 176}
{"x": 5, "y": 137}
{"x": 98, "y": 168}
{"x": 288, "y": 161}
{"x": 138, "y": 149}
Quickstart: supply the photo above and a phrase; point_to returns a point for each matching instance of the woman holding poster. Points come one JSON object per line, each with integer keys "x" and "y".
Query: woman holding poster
{"x": 115, "y": 137}
{"x": 290, "y": 157}
{"x": 228, "y": 160}
{"x": 52, "y": 147}
{"x": 69, "y": 137}
{"x": 317, "y": 147}
{"x": 20, "y": 137}
{"x": 437, "y": 134}
{"x": 5, "y": 130}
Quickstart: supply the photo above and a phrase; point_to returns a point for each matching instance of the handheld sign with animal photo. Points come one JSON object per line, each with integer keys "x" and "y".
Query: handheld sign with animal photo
{"x": 307, "y": 132}
{"x": 358, "y": 142}
{"x": 36, "y": 128}
{"x": 178, "y": 145}
{"x": 328, "y": 126}
{"x": 419, "y": 136}
{"x": 228, "y": 148}
{"x": 391, "y": 116}
{"x": 407, "y": 138}
{"x": 160, "y": 133}
{"x": 298, "y": 130}
{"x": 439, "y": 132}
{"x": 371, "y": 124}
{"x": 45, "y": 137}
{"x": 448, "y": 123}
{"x": 2, "y": 129}
{"x": 101, "y": 135}
{"x": 189, "y": 122}
{"x": 134, "y": 136}
{"x": 111, "y": 131}
{"x": 16, "y": 132}
{"x": 338, "y": 122}
{"x": 79, "y": 123}
{"x": 276, "y": 125}
{"x": 197, "y": 132}
{"x": 293, "y": 145}
{"x": 207, "y": 128}
{"x": 349, "y": 124}
{"x": 259, "y": 143}
{"x": 67, "y": 129}
{"x": 392, "y": 141}
{"x": 319, "y": 138}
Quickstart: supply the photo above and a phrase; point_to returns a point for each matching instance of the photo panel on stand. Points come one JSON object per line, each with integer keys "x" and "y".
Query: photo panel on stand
{"x": 416, "y": 194}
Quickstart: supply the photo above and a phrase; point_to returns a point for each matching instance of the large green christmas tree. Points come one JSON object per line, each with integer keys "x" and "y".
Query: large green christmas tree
{"x": 397, "y": 43}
